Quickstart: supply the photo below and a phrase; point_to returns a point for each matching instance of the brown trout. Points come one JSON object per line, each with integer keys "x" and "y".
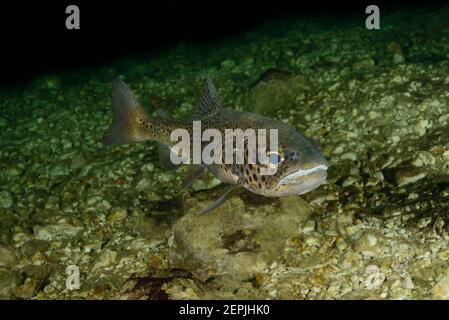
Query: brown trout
{"x": 301, "y": 166}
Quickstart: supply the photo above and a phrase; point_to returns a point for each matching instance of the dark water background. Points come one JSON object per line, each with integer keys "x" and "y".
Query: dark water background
{"x": 35, "y": 40}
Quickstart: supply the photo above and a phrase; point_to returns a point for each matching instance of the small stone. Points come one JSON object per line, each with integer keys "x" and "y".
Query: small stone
{"x": 349, "y": 155}
{"x": 228, "y": 64}
{"x": 144, "y": 184}
{"x": 155, "y": 262}
{"x": 349, "y": 181}
{"x": 117, "y": 214}
{"x": 59, "y": 170}
{"x": 394, "y": 48}
{"x": 8, "y": 284}
{"x": 77, "y": 161}
{"x": 441, "y": 289}
{"x": 444, "y": 255}
{"x": 407, "y": 175}
{"x": 398, "y": 58}
{"x": 149, "y": 167}
{"x": 7, "y": 257}
{"x": 368, "y": 245}
{"x": 424, "y": 159}
{"x": 309, "y": 227}
{"x": 52, "y": 82}
{"x": 28, "y": 289}
{"x": 6, "y": 200}
{"x": 408, "y": 283}
{"x": 13, "y": 171}
{"x": 32, "y": 247}
{"x": 106, "y": 259}
{"x": 374, "y": 277}
{"x": 54, "y": 231}
{"x": 364, "y": 64}
{"x": 261, "y": 279}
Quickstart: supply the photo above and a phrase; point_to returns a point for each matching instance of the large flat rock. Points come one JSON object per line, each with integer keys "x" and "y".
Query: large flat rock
{"x": 234, "y": 241}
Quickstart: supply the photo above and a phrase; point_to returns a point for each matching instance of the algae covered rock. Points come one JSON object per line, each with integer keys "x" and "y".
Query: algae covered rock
{"x": 235, "y": 242}
{"x": 276, "y": 92}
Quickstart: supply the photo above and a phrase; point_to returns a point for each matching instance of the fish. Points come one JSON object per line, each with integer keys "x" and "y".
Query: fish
{"x": 300, "y": 164}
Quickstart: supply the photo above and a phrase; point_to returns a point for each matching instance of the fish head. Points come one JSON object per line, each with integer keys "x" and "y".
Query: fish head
{"x": 297, "y": 167}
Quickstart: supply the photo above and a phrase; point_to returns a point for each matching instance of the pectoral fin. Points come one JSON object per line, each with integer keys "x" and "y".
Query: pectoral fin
{"x": 225, "y": 196}
{"x": 194, "y": 173}
{"x": 164, "y": 157}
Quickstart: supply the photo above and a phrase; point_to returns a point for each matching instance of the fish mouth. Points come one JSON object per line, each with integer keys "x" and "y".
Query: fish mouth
{"x": 301, "y": 181}
{"x": 301, "y": 174}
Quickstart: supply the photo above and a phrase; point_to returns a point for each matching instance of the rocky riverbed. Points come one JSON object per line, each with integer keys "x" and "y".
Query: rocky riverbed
{"x": 378, "y": 102}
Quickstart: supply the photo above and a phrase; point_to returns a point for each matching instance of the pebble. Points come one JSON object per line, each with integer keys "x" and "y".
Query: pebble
{"x": 7, "y": 257}
{"x": 6, "y": 200}
{"x": 441, "y": 289}
{"x": 8, "y": 284}
{"x": 228, "y": 64}
{"x": 105, "y": 260}
{"x": 54, "y": 231}
{"x": 117, "y": 214}
{"x": 374, "y": 277}
{"x": 59, "y": 170}
{"x": 409, "y": 175}
{"x": 364, "y": 64}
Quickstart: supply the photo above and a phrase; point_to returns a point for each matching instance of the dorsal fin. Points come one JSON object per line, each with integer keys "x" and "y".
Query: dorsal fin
{"x": 209, "y": 99}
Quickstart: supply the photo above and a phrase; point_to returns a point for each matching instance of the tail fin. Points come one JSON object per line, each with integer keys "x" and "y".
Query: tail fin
{"x": 129, "y": 118}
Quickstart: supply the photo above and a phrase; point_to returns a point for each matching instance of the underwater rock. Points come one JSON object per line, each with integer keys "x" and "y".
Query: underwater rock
{"x": 276, "y": 93}
{"x": 234, "y": 242}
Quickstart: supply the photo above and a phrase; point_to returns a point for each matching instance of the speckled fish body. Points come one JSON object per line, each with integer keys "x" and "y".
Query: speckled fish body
{"x": 301, "y": 167}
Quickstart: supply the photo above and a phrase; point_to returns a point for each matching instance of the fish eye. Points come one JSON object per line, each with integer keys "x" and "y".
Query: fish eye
{"x": 274, "y": 158}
